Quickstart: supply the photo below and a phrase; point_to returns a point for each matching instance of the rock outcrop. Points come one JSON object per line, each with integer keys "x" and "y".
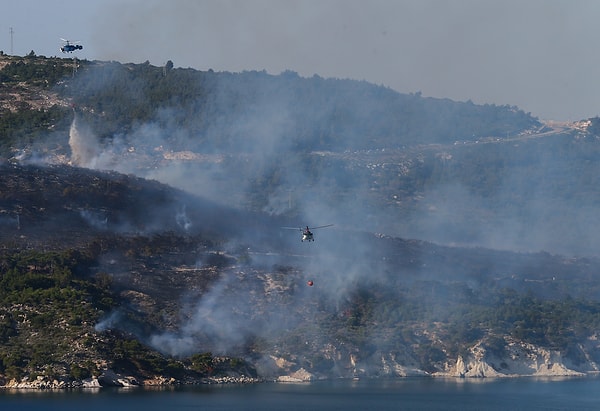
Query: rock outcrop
{"x": 519, "y": 359}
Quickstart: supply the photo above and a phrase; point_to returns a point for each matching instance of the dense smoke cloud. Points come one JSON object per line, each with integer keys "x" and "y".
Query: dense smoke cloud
{"x": 247, "y": 304}
{"x": 224, "y": 318}
{"x": 342, "y": 259}
{"x": 533, "y": 190}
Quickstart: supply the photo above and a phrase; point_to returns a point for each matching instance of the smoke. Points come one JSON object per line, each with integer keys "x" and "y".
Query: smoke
{"x": 248, "y": 160}
{"x": 231, "y": 313}
{"x": 109, "y": 322}
{"x": 529, "y": 192}
{"x": 182, "y": 219}
{"x": 229, "y": 165}
{"x": 96, "y": 219}
{"x": 85, "y": 147}
{"x": 212, "y": 320}
{"x": 270, "y": 298}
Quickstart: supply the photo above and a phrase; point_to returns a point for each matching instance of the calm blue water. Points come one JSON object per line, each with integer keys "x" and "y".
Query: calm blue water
{"x": 403, "y": 394}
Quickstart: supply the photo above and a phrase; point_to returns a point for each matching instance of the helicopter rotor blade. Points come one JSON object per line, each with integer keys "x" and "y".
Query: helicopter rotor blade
{"x": 321, "y": 226}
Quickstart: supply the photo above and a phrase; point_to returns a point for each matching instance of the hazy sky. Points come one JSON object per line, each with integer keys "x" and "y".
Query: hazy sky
{"x": 540, "y": 55}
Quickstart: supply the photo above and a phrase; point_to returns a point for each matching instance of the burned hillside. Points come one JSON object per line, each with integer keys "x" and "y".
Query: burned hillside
{"x": 180, "y": 290}
{"x": 62, "y": 205}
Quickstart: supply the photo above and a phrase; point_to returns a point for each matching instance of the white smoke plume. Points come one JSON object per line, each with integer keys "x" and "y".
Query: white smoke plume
{"x": 85, "y": 148}
{"x": 96, "y": 219}
{"x": 182, "y": 219}
{"x": 108, "y": 322}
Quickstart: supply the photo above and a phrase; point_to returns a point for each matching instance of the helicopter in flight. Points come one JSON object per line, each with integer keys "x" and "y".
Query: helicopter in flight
{"x": 69, "y": 47}
{"x": 307, "y": 234}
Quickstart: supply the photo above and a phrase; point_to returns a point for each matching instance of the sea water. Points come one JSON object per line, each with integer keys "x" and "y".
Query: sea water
{"x": 375, "y": 395}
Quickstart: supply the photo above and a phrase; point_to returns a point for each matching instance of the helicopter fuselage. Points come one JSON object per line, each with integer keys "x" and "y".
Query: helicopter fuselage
{"x": 68, "y": 48}
{"x": 307, "y": 236}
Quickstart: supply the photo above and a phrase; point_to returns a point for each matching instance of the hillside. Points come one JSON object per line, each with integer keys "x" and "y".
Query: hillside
{"x": 154, "y": 303}
{"x": 141, "y": 212}
{"x": 434, "y": 169}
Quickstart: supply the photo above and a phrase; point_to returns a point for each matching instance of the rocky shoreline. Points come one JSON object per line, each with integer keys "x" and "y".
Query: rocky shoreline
{"x": 111, "y": 379}
{"x": 513, "y": 360}
{"x": 471, "y": 369}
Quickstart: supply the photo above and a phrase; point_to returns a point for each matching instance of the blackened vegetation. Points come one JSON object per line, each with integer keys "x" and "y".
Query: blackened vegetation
{"x": 62, "y": 273}
{"x": 51, "y": 205}
{"x": 74, "y": 294}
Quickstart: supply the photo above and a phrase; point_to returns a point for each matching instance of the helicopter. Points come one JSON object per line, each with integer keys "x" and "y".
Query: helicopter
{"x": 307, "y": 234}
{"x": 70, "y": 47}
